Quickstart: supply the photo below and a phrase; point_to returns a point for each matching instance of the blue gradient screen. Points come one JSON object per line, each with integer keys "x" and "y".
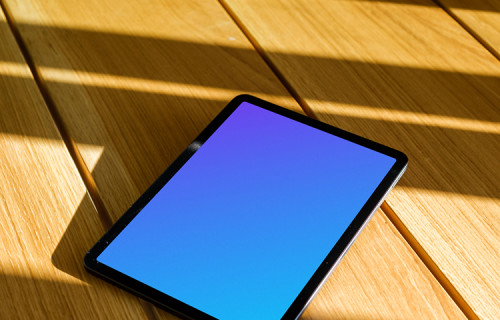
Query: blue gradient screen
{"x": 243, "y": 225}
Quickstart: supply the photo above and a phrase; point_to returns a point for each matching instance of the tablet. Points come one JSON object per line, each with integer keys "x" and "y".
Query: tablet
{"x": 250, "y": 220}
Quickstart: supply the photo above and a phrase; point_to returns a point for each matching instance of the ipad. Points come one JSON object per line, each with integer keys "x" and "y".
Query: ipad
{"x": 251, "y": 219}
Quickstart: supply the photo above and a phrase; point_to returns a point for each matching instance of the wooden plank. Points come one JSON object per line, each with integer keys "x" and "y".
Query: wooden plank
{"x": 480, "y": 17}
{"x": 382, "y": 278}
{"x": 144, "y": 79}
{"x": 47, "y": 221}
{"x": 408, "y": 76}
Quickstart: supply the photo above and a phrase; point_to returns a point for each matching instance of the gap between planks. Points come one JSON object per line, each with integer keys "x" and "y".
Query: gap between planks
{"x": 391, "y": 215}
{"x": 469, "y": 30}
{"x": 68, "y": 141}
{"x": 70, "y": 144}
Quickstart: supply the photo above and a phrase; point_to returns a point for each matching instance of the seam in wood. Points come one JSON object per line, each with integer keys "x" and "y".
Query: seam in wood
{"x": 428, "y": 262}
{"x": 469, "y": 30}
{"x": 63, "y": 131}
{"x": 391, "y": 215}
{"x": 267, "y": 60}
{"x": 70, "y": 144}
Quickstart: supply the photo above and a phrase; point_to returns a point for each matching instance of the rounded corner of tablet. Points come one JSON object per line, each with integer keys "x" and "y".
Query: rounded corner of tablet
{"x": 89, "y": 261}
{"x": 402, "y": 158}
{"x": 245, "y": 97}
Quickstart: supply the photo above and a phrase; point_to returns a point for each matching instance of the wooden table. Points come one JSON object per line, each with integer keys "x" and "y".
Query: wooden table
{"x": 98, "y": 97}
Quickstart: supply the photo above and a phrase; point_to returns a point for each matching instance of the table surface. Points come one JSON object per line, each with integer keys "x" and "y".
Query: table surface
{"x": 97, "y": 98}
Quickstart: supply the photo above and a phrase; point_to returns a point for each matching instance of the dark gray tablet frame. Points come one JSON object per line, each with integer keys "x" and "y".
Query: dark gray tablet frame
{"x": 325, "y": 269}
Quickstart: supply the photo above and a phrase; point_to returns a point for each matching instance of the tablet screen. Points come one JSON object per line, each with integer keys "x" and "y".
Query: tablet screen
{"x": 243, "y": 225}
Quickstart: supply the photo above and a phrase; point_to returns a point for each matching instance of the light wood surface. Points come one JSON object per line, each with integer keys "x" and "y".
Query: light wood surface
{"x": 407, "y": 75}
{"x": 382, "y": 278}
{"x": 47, "y": 221}
{"x": 480, "y": 17}
{"x": 135, "y": 82}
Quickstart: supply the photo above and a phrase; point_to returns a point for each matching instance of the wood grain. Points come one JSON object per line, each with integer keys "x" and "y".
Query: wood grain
{"x": 47, "y": 221}
{"x": 386, "y": 280}
{"x": 409, "y": 76}
{"x": 142, "y": 79}
{"x": 480, "y": 17}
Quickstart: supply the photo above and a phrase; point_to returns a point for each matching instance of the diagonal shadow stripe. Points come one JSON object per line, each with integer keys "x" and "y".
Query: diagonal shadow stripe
{"x": 197, "y": 59}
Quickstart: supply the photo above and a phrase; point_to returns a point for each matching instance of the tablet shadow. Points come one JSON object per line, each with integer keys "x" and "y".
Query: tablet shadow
{"x": 83, "y": 231}
{"x": 81, "y": 234}
{"x": 68, "y": 257}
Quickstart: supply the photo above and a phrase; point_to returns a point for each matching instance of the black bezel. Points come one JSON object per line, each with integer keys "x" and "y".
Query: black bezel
{"x": 321, "y": 274}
